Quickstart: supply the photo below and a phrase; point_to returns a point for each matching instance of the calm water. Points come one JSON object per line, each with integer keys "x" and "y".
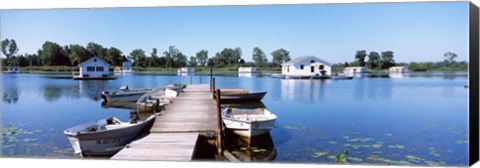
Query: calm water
{"x": 417, "y": 119}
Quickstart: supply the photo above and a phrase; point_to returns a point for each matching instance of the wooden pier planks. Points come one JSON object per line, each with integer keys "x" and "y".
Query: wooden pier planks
{"x": 175, "y": 132}
{"x": 161, "y": 146}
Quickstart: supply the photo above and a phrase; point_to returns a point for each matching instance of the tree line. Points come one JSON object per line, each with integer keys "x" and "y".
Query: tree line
{"x": 384, "y": 60}
{"x": 53, "y": 54}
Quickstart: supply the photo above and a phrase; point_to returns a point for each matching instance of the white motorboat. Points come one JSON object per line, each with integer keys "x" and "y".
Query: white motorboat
{"x": 106, "y": 136}
{"x": 123, "y": 96}
{"x": 155, "y": 101}
{"x": 248, "y": 122}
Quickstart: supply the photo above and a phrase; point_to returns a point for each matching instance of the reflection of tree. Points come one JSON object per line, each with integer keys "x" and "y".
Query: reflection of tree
{"x": 52, "y": 93}
{"x": 11, "y": 95}
{"x": 92, "y": 88}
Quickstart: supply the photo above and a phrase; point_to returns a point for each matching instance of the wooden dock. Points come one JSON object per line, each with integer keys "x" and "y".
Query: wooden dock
{"x": 175, "y": 133}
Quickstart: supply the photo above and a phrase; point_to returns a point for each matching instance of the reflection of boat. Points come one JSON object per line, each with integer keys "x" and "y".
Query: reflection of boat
{"x": 258, "y": 104}
{"x": 106, "y": 136}
{"x": 120, "y": 105}
{"x": 240, "y": 95}
{"x": 260, "y": 148}
{"x": 249, "y": 122}
{"x": 342, "y": 77}
{"x": 122, "y": 96}
{"x": 156, "y": 100}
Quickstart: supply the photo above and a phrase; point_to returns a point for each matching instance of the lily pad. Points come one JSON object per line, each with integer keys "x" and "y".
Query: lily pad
{"x": 355, "y": 159}
{"x": 290, "y": 127}
{"x": 376, "y": 145}
{"x": 332, "y": 142}
{"x": 319, "y": 154}
{"x": 414, "y": 158}
{"x": 360, "y": 140}
{"x": 388, "y": 134}
{"x": 461, "y": 142}
{"x": 396, "y": 146}
{"x": 435, "y": 163}
{"x": 346, "y": 137}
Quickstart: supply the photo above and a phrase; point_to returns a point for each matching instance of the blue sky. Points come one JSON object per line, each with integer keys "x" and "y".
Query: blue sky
{"x": 333, "y": 32}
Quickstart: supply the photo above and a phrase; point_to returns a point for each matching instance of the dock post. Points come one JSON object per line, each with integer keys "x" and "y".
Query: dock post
{"x": 211, "y": 76}
{"x": 213, "y": 88}
{"x": 219, "y": 124}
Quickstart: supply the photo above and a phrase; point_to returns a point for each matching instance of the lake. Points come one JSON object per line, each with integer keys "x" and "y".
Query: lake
{"x": 401, "y": 119}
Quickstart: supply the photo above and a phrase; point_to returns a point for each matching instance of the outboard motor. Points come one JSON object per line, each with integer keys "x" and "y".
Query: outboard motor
{"x": 124, "y": 88}
{"x": 104, "y": 95}
{"x": 133, "y": 117}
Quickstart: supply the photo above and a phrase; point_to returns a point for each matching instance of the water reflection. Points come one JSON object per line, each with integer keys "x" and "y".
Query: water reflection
{"x": 92, "y": 88}
{"x": 259, "y": 148}
{"x": 245, "y": 75}
{"x": 304, "y": 90}
{"x": 119, "y": 105}
{"x": 397, "y": 75}
{"x": 11, "y": 95}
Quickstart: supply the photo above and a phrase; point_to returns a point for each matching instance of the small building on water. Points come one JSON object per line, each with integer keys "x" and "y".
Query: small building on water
{"x": 186, "y": 70}
{"x": 352, "y": 70}
{"x": 397, "y": 69}
{"x": 13, "y": 69}
{"x": 94, "y": 68}
{"x": 247, "y": 69}
{"x": 307, "y": 66}
{"x": 125, "y": 68}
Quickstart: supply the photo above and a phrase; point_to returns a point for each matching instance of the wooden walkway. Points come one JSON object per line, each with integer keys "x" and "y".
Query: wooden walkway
{"x": 175, "y": 132}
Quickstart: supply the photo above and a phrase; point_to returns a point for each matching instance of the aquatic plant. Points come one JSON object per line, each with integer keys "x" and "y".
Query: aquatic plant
{"x": 434, "y": 163}
{"x": 461, "y": 142}
{"x": 360, "y": 139}
{"x": 396, "y": 146}
{"x": 332, "y": 142}
{"x": 319, "y": 154}
{"x": 388, "y": 134}
{"x": 414, "y": 158}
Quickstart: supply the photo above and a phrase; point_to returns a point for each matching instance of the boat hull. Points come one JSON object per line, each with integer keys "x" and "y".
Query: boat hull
{"x": 243, "y": 97}
{"x": 107, "y": 142}
{"x": 126, "y": 96}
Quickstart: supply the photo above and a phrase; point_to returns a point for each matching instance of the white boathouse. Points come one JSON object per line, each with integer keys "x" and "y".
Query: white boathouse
{"x": 306, "y": 66}
{"x": 352, "y": 70}
{"x": 94, "y": 68}
{"x": 247, "y": 69}
{"x": 125, "y": 68}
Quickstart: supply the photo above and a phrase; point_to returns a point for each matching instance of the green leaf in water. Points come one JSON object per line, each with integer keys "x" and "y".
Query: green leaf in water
{"x": 346, "y": 137}
{"x": 388, "y": 134}
{"x": 319, "y": 154}
{"x": 435, "y": 163}
{"x": 430, "y": 124}
{"x": 290, "y": 127}
{"x": 340, "y": 158}
{"x": 332, "y": 142}
{"x": 14, "y": 132}
{"x": 360, "y": 140}
{"x": 258, "y": 150}
{"x": 377, "y": 146}
{"x": 396, "y": 146}
{"x": 355, "y": 159}
{"x": 332, "y": 157}
{"x": 414, "y": 158}
{"x": 243, "y": 148}
{"x": 461, "y": 142}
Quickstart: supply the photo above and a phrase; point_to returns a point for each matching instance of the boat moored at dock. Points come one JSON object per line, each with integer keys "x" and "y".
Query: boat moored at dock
{"x": 248, "y": 122}
{"x": 106, "y": 136}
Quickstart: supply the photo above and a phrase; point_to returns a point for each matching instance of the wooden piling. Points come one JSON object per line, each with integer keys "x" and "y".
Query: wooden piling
{"x": 213, "y": 88}
{"x": 219, "y": 124}
{"x": 211, "y": 76}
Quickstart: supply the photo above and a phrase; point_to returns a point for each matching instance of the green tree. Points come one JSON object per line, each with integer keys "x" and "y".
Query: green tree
{"x": 53, "y": 54}
{"x": 280, "y": 56}
{"x": 9, "y": 49}
{"x": 154, "y": 60}
{"x": 139, "y": 57}
{"x": 114, "y": 56}
{"x": 97, "y": 50}
{"x": 202, "y": 57}
{"x": 192, "y": 62}
{"x": 227, "y": 56}
{"x": 360, "y": 57}
{"x": 449, "y": 58}
{"x": 77, "y": 54}
{"x": 373, "y": 60}
{"x": 174, "y": 58}
{"x": 259, "y": 57}
{"x": 387, "y": 60}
